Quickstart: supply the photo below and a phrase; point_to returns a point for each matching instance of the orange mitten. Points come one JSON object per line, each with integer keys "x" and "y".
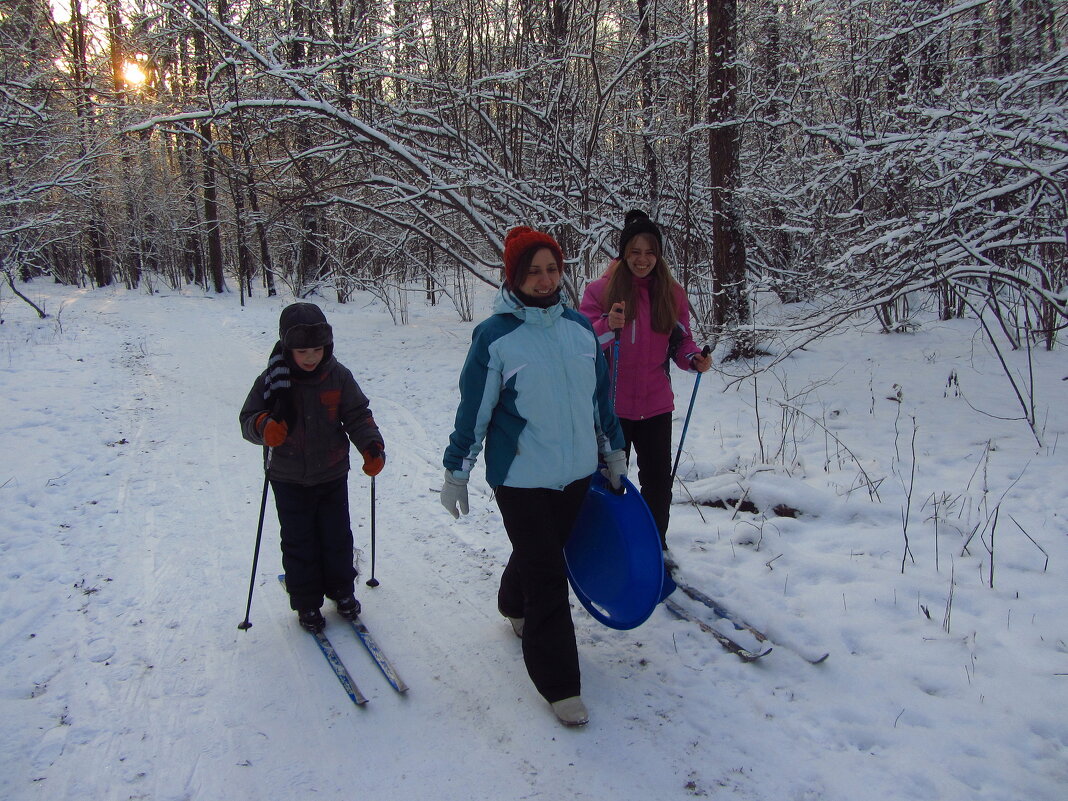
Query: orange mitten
{"x": 374, "y": 459}
{"x": 274, "y": 432}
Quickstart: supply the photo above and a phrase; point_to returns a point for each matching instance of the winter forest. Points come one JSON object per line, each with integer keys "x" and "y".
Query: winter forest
{"x": 858, "y": 155}
{"x": 866, "y": 202}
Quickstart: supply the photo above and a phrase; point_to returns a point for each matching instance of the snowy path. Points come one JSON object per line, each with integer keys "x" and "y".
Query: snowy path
{"x": 129, "y": 512}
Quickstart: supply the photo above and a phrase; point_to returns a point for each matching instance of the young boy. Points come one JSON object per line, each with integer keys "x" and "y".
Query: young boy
{"x": 304, "y": 408}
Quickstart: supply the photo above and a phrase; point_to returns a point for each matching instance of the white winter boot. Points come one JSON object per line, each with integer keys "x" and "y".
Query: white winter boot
{"x": 571, "y": 711}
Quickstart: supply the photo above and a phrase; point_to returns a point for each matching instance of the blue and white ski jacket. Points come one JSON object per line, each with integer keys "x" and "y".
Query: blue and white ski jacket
{"x": 535, "y": 388}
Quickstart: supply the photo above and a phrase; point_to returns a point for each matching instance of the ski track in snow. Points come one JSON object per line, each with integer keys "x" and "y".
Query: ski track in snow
{"x": 129, "y": 506}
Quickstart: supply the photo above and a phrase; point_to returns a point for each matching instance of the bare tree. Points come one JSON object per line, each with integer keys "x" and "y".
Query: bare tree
{"x": 724, "y": 140}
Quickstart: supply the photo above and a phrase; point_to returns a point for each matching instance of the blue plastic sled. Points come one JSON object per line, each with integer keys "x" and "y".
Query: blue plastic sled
{"x": 614, "y": 561}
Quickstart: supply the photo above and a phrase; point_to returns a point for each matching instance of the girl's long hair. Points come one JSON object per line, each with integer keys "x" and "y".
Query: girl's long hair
{"x": 620, "y": 287}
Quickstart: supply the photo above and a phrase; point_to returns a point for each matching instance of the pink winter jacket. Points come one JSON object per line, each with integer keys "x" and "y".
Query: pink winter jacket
{"x": 643, "y": 384}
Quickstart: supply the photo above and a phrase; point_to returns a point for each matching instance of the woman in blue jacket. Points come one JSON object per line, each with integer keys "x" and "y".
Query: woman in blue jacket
{"x": 535, "y": 389}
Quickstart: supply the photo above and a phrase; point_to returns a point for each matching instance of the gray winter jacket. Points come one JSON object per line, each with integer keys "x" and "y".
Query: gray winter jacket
{"x": 329, "y": 409}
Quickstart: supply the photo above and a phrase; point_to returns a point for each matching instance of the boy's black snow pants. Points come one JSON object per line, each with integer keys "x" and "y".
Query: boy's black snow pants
{"x": 316, "y": 541}
{"x": 534, "y": 584}
{"x": 651, "y": 441}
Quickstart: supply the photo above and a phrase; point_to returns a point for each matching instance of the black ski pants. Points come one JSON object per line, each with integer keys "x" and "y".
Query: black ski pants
{"x": 651, "y": 441}
{"x": 534, "y": 583}
{"x": 316, "y": 541}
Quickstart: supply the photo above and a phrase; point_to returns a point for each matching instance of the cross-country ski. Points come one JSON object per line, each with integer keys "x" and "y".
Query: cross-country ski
{"x": 729, "y": 644}
{"x": 342, "y": 673}
{"x": 383, "y": 662}
{"x": 339, "y": 668}
{"x": 740, "y": 624}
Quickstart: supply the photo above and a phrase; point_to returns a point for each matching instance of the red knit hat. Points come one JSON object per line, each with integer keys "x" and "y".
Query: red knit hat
{"x": 519, "y": 246}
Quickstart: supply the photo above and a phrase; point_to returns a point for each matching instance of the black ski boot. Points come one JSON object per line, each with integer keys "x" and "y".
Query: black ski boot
{"x": 312, "y": 620}
{"x": 348, "y": 607}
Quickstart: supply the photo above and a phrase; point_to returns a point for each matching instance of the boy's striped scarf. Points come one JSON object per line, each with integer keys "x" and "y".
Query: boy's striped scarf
{"x": 277, "y": 384}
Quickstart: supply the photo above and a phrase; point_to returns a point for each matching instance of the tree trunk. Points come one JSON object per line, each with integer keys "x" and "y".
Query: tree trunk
{"x": 648, "y": 95}
{"x": 1003, "y": 60}
{"x": 728, "y": 246}
{"x": 100, "y": 264}
{"x": 209, "y": 188}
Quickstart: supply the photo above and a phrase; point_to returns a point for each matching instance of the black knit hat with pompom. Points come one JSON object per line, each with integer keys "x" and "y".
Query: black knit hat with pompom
{"x": 637, "y": 222}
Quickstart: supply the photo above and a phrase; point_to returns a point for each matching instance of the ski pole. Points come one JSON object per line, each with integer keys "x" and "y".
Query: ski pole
{"x": 689, "y": 411}
{"x": 246, "y": 624}
{"x": 615, "y": 367}
{"x": 372, "y": 582}
{"x": 617, "y": 307}
{"x": 615, "y": 381}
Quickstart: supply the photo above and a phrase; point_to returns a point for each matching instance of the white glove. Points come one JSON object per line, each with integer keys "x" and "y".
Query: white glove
{"x": 615, "y": 468}
{"x": 453, "y": 492}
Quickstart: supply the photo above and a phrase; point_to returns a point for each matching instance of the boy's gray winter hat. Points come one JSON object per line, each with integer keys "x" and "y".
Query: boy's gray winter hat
{"x": 303, "y": 325}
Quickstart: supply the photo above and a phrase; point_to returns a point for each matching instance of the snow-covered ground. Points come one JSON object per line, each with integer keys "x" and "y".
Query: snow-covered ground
{"x": 128, "y": 511}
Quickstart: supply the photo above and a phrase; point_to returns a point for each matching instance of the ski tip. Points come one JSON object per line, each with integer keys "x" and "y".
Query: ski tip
{"x": 752, "y": 656}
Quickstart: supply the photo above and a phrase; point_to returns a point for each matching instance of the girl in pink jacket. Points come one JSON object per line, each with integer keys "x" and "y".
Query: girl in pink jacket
{"x": 638, "y": 298}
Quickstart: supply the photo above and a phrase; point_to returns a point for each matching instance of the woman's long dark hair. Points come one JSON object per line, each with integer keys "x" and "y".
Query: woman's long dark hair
{"x": 661, "y": 292}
